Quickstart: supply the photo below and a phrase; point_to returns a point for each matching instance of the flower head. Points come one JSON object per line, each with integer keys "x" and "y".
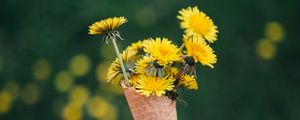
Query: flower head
{"x": 197, "y": 23}
{"x": 134, "y": 79}
{"x": 198, "y": 50}
{"x": 173, "y": 71}
{"x": 188, "y": 82}
{"x": 148, "y": 85}
{"x": 129, "y": 56}
{"x": 162, "y": 50}
{"x": 106, "y": 25}
{"x": 142, "y": 64}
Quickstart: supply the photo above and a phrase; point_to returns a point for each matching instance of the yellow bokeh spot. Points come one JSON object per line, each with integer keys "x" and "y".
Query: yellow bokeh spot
{"x": 30, "y": 94}
{"x": 98, "y": 107}
{"x": 114, "y": 89}
{"x": 41, "y": 69}
{"x": 101, "y": 71}
{"x": 6, "y": 100}
{"x": 79, "y": 95}
{"x": 107, "y": 52}
{"x": 72, "y": 111}
{"x": 265, "y": 49}
{"x": 274, "y": 31}
{"x": 112, "y": 113}
{"x": 80, "y": 65}
{"x": 13, "y": 88}
{"x": 63, "y": 81}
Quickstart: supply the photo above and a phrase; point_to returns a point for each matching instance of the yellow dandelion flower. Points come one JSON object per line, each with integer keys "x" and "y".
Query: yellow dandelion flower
{"x": 148, "y": 85}
{"x": 106, "y": 25}
{"x": 133, "y": 79}
{"x": 274, "y": 31}
{"x": 265, "y": 49}
{"x": 197, "y": 23}
{"x": 162, "y": 50}
{"x": 129, "y": 57}
{"x": 198, "y": 49}
{"x": 174, "y": 71}
{"x": 6, "y": 100}
{"x": 114, "y": 73}
{"x": 142, "y": 64}
{"x": 136, "y": 47}
{"x": 188, "y": 82}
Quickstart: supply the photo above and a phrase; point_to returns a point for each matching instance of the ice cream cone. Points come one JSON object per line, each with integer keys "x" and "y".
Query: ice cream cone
{"x": 149, "y": 108}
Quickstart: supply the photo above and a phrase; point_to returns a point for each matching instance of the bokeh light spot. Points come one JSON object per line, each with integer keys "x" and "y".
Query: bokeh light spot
{"x": 265, "y": 49}
{"x": 12, "y": 87}
{"x": 79, "y": 94}
{"x": 5, "y": 101}
{"x": 274, "y": 31}
{"x": 63, "y": 81}
{"x": 80, "y": 65}
{"x": 98, "y": 107}
{"x": 72, "y": 111}
{"x": 41, "y": 69}
{"x": 30, "y": 94}
{"x": 101, "y": 71}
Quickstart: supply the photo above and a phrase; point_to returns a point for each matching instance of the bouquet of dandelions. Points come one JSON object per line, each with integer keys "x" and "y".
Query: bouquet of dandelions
{"x": 151, "y": 71}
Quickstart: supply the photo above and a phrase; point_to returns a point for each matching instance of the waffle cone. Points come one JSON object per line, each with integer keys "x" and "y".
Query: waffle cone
{"x": 149, "y": 108}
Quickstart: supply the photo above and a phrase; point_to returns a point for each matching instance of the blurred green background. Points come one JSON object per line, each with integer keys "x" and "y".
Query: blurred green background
{"x": 47, "y": 59}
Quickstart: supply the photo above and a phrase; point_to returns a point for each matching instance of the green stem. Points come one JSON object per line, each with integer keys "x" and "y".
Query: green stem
{"x": 120, "y": 60}
{"x": 181, "y": 47}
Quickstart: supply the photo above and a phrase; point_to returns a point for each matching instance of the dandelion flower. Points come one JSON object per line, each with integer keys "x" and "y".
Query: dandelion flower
{"x": 162, "y": 50}
{"x": 174, "y": 71}
{"x": 134, "y": 79}
{"x": 107, "y": 25}
{"x": 142, "y": 64}
{"x": 148, "y": 85}
{"x": 200, "y": 51}
{"x": 147, "y": 65}
{"x": 188, "y": 82}
{"x": 129, "y": 56}
{"x": 197, "y": 23}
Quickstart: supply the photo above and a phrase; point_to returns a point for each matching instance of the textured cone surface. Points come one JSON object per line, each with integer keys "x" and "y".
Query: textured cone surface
{"x": 150, "y": 108}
